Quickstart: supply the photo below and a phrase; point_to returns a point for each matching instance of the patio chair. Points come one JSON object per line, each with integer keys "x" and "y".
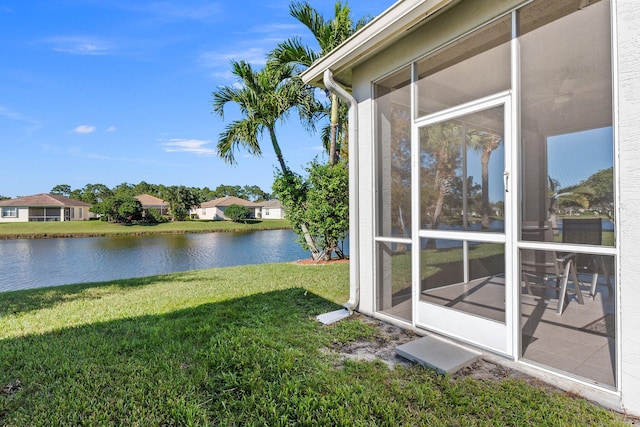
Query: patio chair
{"x": 547, "y": 269}
{"x": 587, "y": 231}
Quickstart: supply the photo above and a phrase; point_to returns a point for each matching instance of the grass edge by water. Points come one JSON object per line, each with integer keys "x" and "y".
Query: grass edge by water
{"x": 44, "y": 230}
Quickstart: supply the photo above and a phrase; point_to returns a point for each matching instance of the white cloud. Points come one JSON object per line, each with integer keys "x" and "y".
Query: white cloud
{"x": 177, "y": 11}
{"x": 77, "y": 152}
{"x": 5, "y": 112}
{"x": 111, "y": 128}
{"x": 284, "y": 29}
{"x": 27, "y": 125}
{"x": 252, "y": 55}
{"x": 81, "y": 45}
{"x": 224, "y": 75}
{"x": 252, "y": 45}
{"x": 194, "y": 146}
{"x": 84, "y": 129}
{"x": 171, "y": 11}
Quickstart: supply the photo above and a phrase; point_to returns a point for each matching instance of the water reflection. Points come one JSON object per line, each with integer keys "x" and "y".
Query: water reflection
{"x": 28, "y": 264}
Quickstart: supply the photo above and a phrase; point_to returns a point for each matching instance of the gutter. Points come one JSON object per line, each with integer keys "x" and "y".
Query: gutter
{"x": 354, "y": 212}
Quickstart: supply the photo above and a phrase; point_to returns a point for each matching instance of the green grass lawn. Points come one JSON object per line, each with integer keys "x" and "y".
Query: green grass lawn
{"x": 100, "y": 228}
{"x": 232, "y": 346}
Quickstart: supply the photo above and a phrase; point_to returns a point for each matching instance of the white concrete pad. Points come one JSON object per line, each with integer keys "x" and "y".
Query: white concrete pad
{"x": 333, "y": 316}
{"x": 444, "y": 356}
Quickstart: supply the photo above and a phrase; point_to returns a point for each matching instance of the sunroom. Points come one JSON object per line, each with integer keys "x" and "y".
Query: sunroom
{"x": 488, "y": 184}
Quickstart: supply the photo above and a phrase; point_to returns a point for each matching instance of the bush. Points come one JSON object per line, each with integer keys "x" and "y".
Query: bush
{"x": 237, "y": 213}
{"x": 153, "y": 216}
{"x": 119, "y": 208}
{"x": 318, "y": 204}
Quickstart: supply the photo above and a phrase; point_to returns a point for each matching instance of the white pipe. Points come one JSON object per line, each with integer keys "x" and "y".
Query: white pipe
{"x": 354, "y": 213}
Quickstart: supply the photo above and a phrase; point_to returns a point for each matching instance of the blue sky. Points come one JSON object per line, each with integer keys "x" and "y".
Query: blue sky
{"x": 574, "y": 157}
{"x": 113, "y": 91}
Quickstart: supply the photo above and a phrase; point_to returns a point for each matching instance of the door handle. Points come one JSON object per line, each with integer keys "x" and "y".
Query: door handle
{"x": 506, "y": 181}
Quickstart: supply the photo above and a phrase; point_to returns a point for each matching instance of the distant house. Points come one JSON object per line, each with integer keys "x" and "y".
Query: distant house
{"x": 214, "y": 209}
{"x": 151, "y": 202}
{"x": 44, "y": 207}
{"x": 272, "y": 209}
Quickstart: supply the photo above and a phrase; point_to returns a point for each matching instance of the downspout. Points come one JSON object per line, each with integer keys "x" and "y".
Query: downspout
{"x": 354, "y": 212}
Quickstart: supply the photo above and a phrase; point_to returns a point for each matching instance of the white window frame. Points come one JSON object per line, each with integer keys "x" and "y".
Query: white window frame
{"x": 9, "y": 212}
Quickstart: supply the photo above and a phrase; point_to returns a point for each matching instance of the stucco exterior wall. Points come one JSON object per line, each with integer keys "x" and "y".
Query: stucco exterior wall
{"x": 82, "y": 213}
{"x": 23, "y": 214}
{"x": 207, "y": 213}
{"x": 628, "y": 136}
{"x": 272, "y": 213}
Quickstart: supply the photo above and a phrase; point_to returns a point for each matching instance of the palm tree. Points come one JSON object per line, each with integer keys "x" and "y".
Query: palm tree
{"x": 485, "y": 143}
{"x": 329, "y": 34}
{"x": 264, "y": 97}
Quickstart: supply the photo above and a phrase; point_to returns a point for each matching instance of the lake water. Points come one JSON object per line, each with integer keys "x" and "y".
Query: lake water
{"x": 34, "y": 263}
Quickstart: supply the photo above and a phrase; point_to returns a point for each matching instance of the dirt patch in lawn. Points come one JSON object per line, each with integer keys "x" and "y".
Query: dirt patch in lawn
{"x": 389, "y": 336}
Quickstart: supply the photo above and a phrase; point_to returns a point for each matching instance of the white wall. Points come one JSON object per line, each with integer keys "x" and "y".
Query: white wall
{"x": 82, "y": 213}
{"x": 207, "y": 213}
{"x": 628, "y": 136}
{"x": 272, "y": 213}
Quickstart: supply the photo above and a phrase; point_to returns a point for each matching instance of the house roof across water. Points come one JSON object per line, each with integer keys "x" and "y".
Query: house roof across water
{"x": 43, "y": 200}
{"x": 228, "y": 201}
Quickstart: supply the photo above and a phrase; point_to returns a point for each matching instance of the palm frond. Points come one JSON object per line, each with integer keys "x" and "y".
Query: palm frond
{"x": 240, "y": 133}
{"x": 221, "y": 97}
{"x": 292, "y": 51}
{"x": 577, "y": 195}
{"x": 309, "y": 17}
{"x": 325, "y": 137}
{"x": 362, "y": 22}
{"x": 268, "y": 95}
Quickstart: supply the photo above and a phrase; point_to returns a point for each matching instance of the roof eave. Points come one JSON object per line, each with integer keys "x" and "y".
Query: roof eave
{"x": 386, "y": 28}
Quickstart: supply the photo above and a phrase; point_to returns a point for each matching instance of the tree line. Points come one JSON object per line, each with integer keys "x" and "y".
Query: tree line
{"x": 119, "y": 204}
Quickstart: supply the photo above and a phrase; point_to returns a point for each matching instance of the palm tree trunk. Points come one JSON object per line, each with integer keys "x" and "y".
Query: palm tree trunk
{"x": 333, "y": 131}
{"x": 276, "y": 149}
{"x": 315, "y": 254}
{"x": 443, "y": 174}
{"x": 484, "y": 159}
{"x": 437, "y": 212}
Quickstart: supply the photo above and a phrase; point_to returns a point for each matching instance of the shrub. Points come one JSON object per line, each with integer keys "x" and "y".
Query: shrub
{"x": 153, "y": 216}
{"x": 119, "y": 208}
{"x": 317, "y": 206}
{"x": 237, "y": 213}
